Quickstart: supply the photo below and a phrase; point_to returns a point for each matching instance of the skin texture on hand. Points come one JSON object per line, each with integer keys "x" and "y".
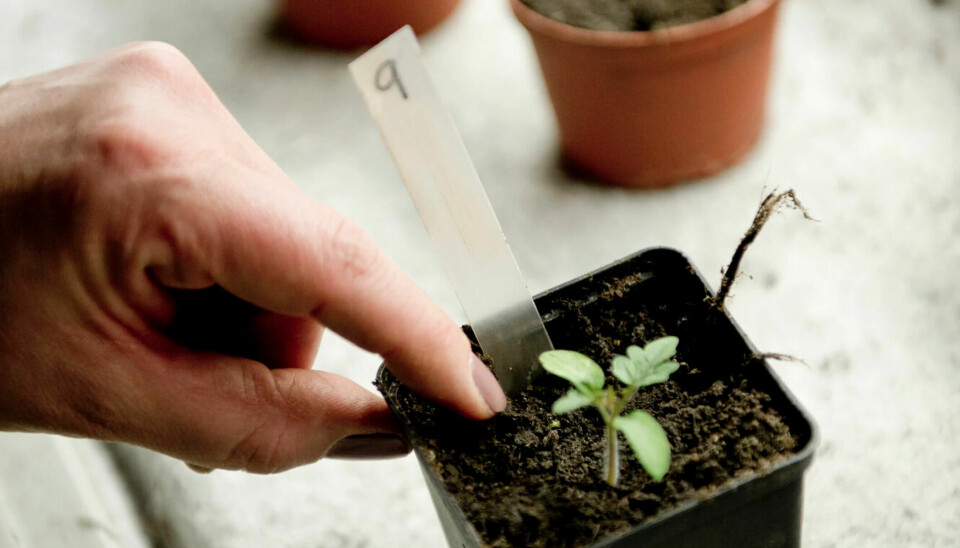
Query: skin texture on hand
{"x": 163, "y": 283}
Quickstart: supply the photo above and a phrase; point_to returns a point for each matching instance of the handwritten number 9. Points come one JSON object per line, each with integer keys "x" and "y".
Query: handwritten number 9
{"x": 389, "y": 68}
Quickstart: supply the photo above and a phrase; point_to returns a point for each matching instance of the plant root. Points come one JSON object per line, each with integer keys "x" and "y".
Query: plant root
{"x": 771, "y": 203}
{"x": 780, "y": 357}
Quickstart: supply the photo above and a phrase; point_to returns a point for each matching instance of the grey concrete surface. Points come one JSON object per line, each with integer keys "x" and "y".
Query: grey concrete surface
{"x": 864, "y": 125}
{"x": 58, "y": 491}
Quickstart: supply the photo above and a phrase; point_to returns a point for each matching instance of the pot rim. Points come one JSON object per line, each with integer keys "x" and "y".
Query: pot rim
{"x": 541, "y": 24}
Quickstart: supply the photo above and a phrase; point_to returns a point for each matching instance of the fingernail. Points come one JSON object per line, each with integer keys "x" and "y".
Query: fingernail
{"x": 199, "y": 469}
{"x": 369, "y": 446}
{"x": 487, "y": 385}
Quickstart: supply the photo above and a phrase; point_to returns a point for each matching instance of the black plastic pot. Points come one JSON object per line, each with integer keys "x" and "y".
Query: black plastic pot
{"x": 759, "y": 511}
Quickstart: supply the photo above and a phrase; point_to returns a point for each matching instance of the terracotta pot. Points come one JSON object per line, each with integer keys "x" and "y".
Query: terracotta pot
{"x": 355, "y": 23}
{"x": 651, "y": 108}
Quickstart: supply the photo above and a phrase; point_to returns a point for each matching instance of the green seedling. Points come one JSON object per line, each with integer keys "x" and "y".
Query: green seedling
{"x": 641, "y": 367}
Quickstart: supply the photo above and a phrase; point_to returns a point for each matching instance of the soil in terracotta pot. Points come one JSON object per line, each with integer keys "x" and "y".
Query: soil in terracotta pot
{"x": 532, "y": 478}
{"x": 630, "y": 15}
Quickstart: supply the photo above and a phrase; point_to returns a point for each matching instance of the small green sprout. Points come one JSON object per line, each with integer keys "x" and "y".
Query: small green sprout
{"x": 641, "y": 367}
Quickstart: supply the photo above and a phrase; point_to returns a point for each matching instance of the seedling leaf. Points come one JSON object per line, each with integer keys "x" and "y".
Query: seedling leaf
{"x": 648, "y": 441}
{"x": 582, "y": 372}
{"x": 660, "y": 373}
{"x": 625, "y": 370}
{"x": 574, "y": 399}
{"x": 660, "y": 350}
{"x": 636, "y": 354}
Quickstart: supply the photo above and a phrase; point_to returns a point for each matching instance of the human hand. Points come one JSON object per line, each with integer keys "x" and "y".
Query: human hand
{"x": 163, "y": 283}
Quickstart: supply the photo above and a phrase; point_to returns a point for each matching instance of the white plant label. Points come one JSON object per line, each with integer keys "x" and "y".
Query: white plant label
{"x": 450, "y": 198}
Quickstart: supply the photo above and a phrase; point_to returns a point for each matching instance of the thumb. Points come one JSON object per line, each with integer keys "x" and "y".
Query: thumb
{"x": 237, "y": 414}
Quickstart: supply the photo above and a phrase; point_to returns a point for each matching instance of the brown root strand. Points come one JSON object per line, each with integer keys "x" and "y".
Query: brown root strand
{"x": 771, "y": 203}
{"x": 780, "y": 357}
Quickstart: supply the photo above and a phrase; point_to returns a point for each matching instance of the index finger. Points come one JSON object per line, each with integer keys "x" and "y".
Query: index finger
{"x": 289, "y": 254}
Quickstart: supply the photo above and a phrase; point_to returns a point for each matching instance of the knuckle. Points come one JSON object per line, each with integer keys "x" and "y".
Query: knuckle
{"x": 157, "y": 68}
{"x": 157, "y": 58}
{"x": 271, "y": 446}
{"x": 118, "y": 144}
{"x": 442, "y": 331}
{"x": 351, "y": 251}
{"x": 258, "y": 452}
{"x": 175, "y": 218}
{"x": 165, "y": 68}
{"x": 259, "y": 390}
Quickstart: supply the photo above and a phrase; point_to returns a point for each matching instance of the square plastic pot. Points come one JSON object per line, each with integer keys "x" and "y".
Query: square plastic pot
{"x": 759, "y": 511}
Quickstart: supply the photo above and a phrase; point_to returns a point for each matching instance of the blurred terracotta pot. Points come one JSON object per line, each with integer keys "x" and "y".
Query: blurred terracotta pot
{"x": 355, "y": 23}
{"x": 652, "y": 108}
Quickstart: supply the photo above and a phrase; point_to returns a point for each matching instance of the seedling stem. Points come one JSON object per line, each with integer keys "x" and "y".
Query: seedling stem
{"x": 641, "y": 367}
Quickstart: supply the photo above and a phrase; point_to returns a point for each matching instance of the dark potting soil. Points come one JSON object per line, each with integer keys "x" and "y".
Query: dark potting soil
{"x": 630, "y": 15}
{"x": 531, "y": 478}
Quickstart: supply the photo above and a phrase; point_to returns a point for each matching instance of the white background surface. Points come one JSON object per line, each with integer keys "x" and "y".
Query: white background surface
{"x": 864, "y": 124}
